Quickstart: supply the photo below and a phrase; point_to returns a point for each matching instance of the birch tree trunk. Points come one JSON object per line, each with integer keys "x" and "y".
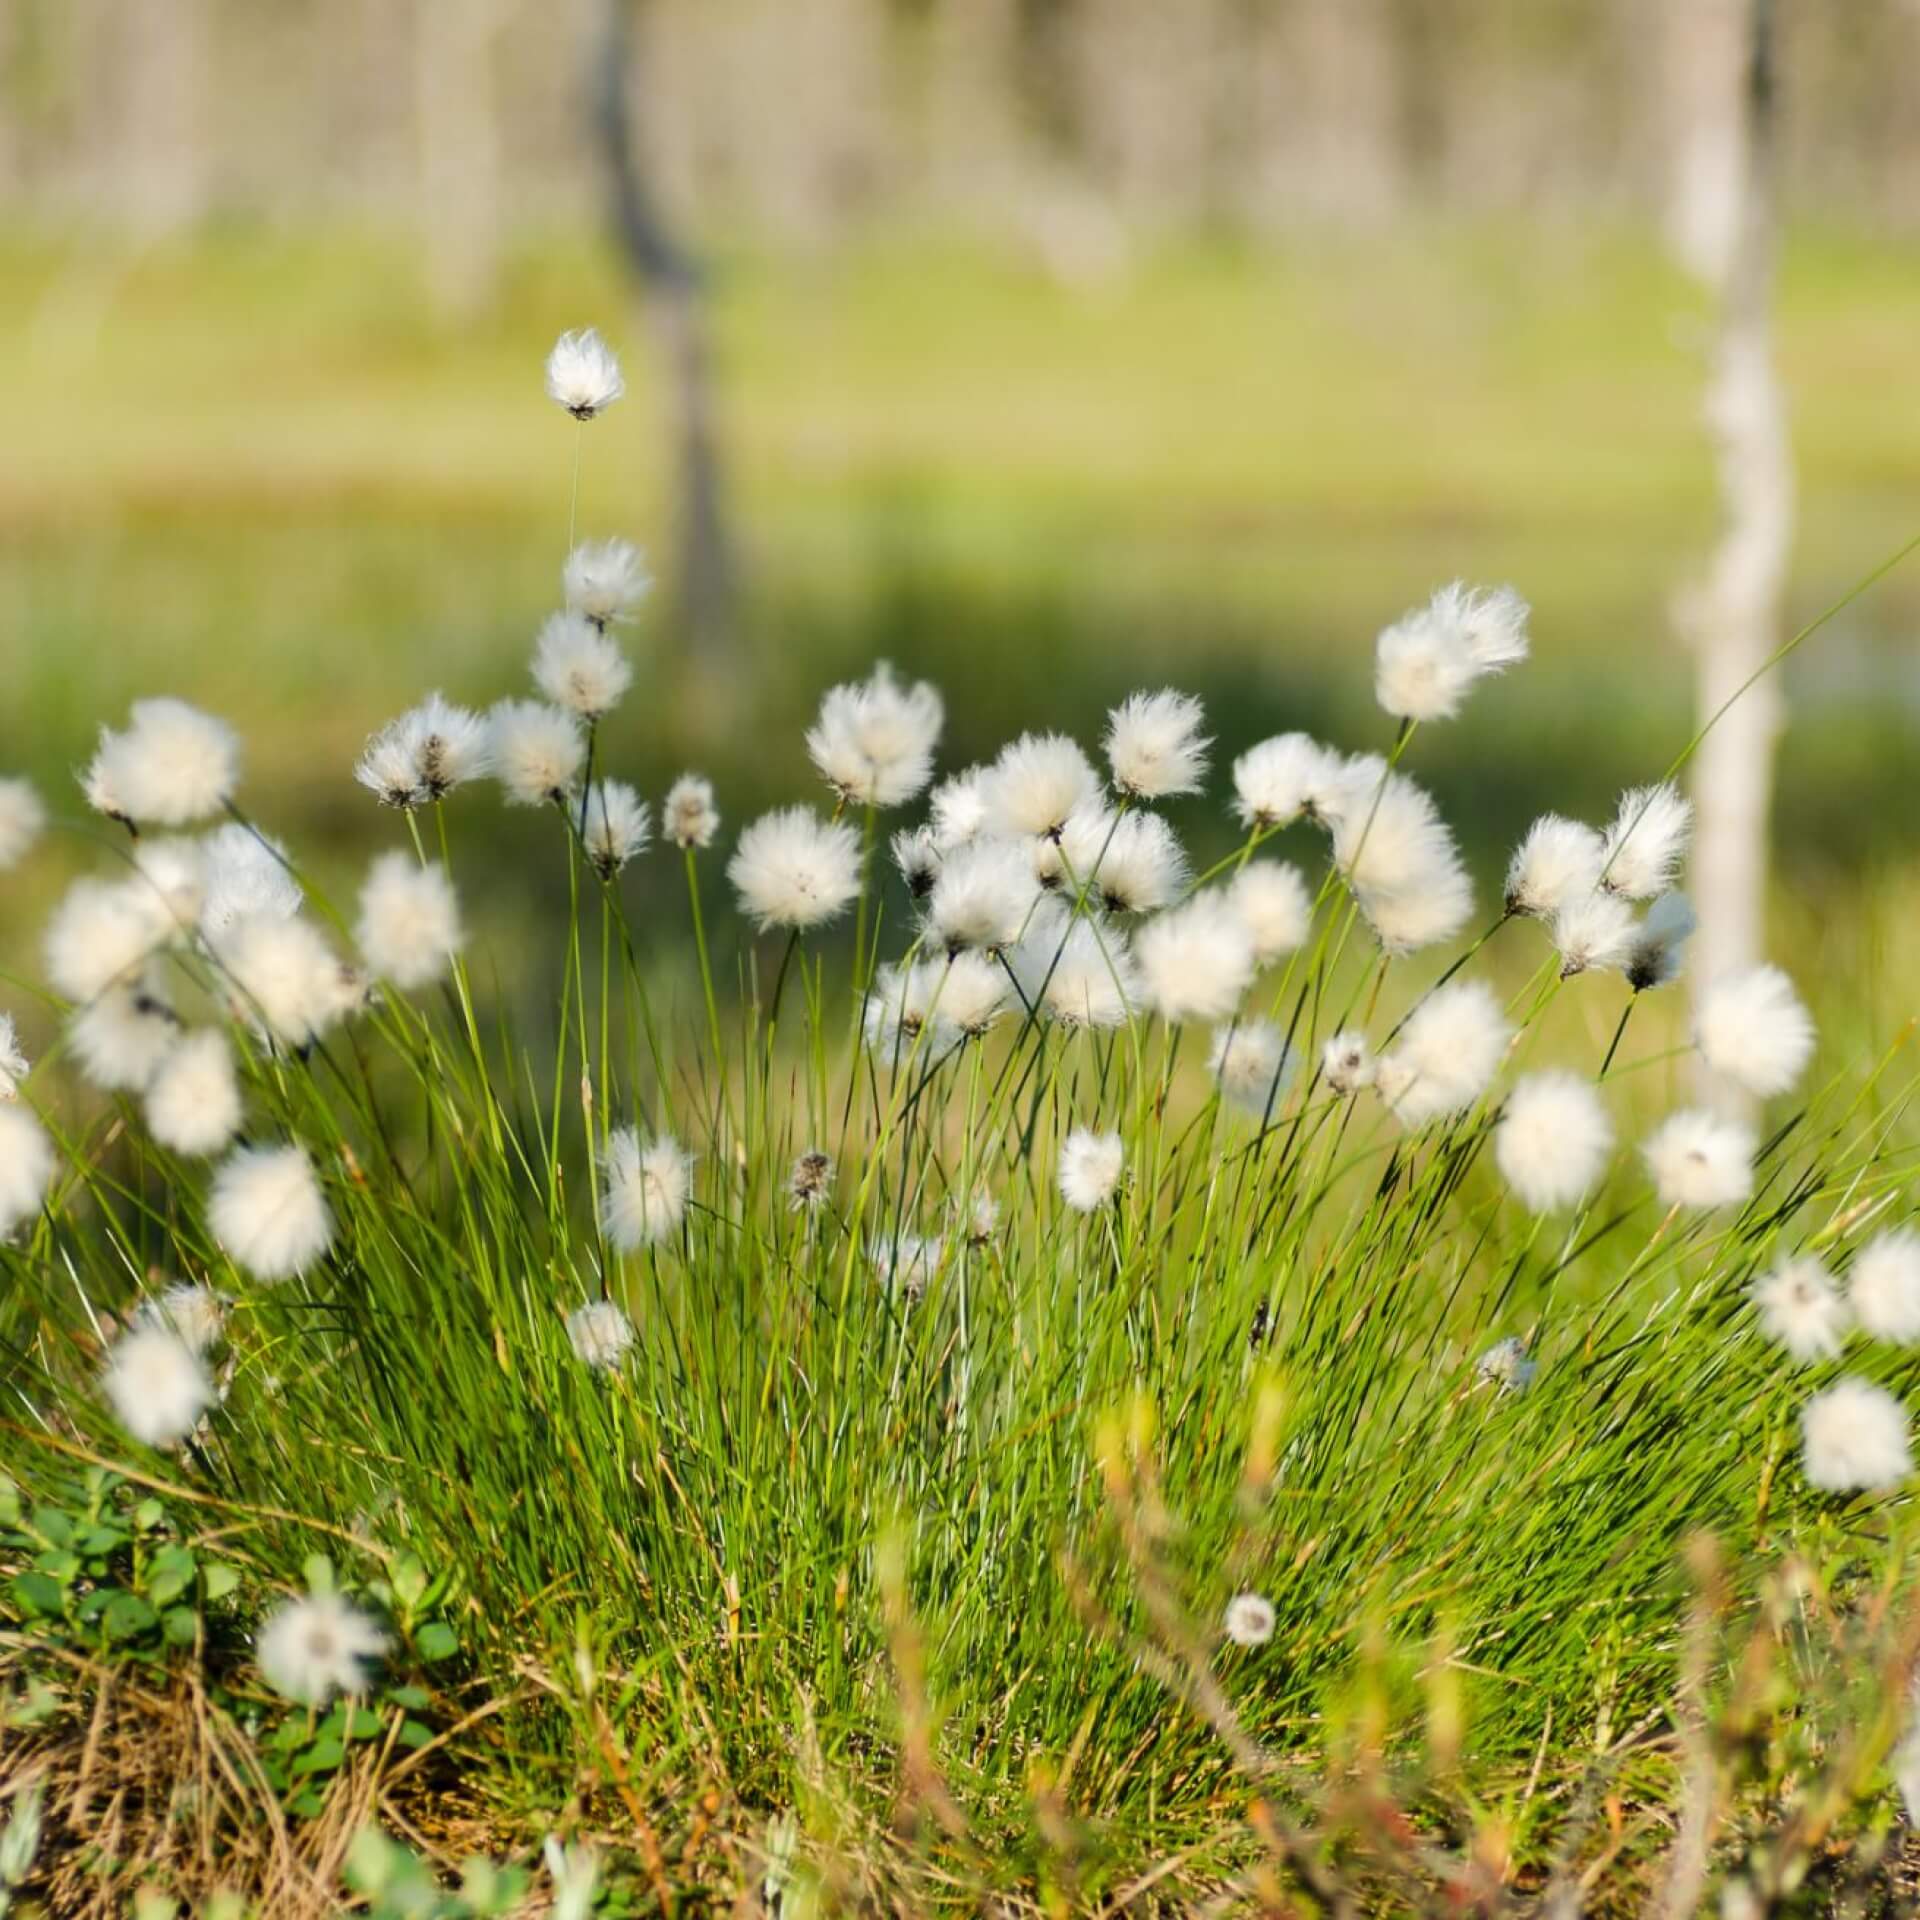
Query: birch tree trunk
{"x": 459, "y": 147}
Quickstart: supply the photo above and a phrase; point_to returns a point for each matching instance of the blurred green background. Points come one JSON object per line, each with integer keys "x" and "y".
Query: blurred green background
{"x": 1058, "y": 346}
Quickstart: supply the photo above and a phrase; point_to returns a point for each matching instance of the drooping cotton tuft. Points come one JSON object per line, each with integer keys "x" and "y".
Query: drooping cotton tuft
{"x": 582, "y": 374}
{"x": 1154, "y": 745}
{"x": 313, "y": 1648}
{"x": 1553, "y": 1141}
{"x": 688, "y": 816}
{"x": 197, "y": 1315}
{"x": 1699, "y": 1160}
{"x": 1426, "y": 661}
{"x": 26, "y": 1167}
{"x": 1751, "y": 1028}
{"x": 1655, "y": 959}
{"x": 23, "y": 818}
{"x": 874, "y": 739}
{"x": 409, "y": 927}
{"x": 1078, "y": 973}
{"x": 537, "y": 751}
{"x": 917, "y": 855}
{"x": 1285, "y": 778}
{"x": 13, "y": 1062}
{"x": 605, "y": 580}
{"x": 245, "y": 873}
{"x": 648, "y": 1185}
{"x": 1347, "y": 1063}
{"x": 1855, "y": 1438}
{"x": 1801, "y": 1310}
{"x": 1448, "y": 1051}
{"x": 578, "y": 667}
{"x": 267, "y": 1210}
{"x": 1884, "y": 1286}
{"x": 600, "y": 1333}
{"x": 1593, "y": 932}
{"x": 121, "y": 1038}
{"x": 1558, "y": 862}
{"x": 1252, "y": 1065}
{"x": 1249, "y": 1620}
{"x": 618, "y": 826}
{"x": 1090, "y": 1166}
{"x": 156, "y": 1385}
{"x": 1036, "y": 783}
{"x": 1493, "y": 621}
{"x": 1405, "y": 919}
{"x": 1273, "y": 900}
{"x": 1643, "y": 847}
{"x": 1196, "y": 960}
{"x": 982, "y": 897}
{"x": 193, "y": 1103}
{"x": 174, "y": 764}
{"x": 793, "y": 869}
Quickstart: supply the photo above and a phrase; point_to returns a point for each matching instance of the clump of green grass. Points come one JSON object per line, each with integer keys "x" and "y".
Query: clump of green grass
{"x": 814, "y": 1394}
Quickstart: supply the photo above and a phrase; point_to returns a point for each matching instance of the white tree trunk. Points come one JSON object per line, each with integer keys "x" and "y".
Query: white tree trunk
{"x": 459, "y": 148}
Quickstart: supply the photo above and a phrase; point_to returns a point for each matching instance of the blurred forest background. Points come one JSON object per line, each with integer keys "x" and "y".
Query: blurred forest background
{"x": 1044, "y": 346}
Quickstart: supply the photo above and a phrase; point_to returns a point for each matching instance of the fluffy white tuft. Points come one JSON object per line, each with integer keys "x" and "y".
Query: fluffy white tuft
{"x": 1137, "y": 866}
{"x": 537, "y": 751}
{"x": 688, "y": 816}
{"x": 198, "y": 1315}
{"x": 1347, "y": 1063}
{"x": 1282, "y": 779}
{"x": 1399, "y": 857}
{"x": 1655, "y": 959}
{"x": 1801, "y": 1310}
{"x": 605, "y": 581}
{"x": 1196, "y": 960}
{"x": 901, "y": 1020}
{"x": 582, "y": 374}
{"x": 1252, "y": 1065}
{"x": 244, "y": 873}
{"x": 957, "y": 808}
{"x": 649, "y": 1183}
{"x": 409, "y": 927}
{"x": 1594, "y": 931}
{"x": 156, "y": 1385}
{"x": 874, "y": 739}
{"x": 601, "y": 1335}
{"x": 26, "y": 1167}
{"x": 1154, "y": 745}
{"x": 23, "y": 818}
{"x": 1036, "y": 783}
{"x": 1855, "y": 1438}
{"x": 917, "y": 855}
{"x": 101, "y": 931}
{"x": 1553, "y": 1141}
{"x": 121, "y": 1038}
{"x": 285, "y": 978}
{"x": 1090, "y": 1166}
{"x": 1422, "y": 668}
{"x": 1249, "y": 1620}
{"x": 1751, "y": 1029}
{"x": 169, "y": 884}
{"x": 1558, "y": 861}
{"x": 793, "y": 869}
{"x": 13, "y": 1062}
{"x": 1884, "y": 1286}
{"x": 1077, "y": 972}
{"x": 425, "y": 754}
{"x": 174, "y": 764}
{"x": 266, "y": 1209}
{"x": 1643, "y": 847}
{"x": 1448, "y": 1051}
{"x": 1273, "y": 900}
{"x": 1699, "y": 1160}
{"x": 1505, "y": 1365}
{"x": 982, "y": 896}
{"x": 315, "y": 1647}
{"x": 578, "y": 668}
{"x": 618, "y": 826}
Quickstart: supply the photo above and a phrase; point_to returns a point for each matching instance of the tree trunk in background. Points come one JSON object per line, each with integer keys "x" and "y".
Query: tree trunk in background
{"x": 459, "y": 150}
{"x": 164, "y": 127}
{"x": 704, "y": 582}
{"x": 1732, "y": 618}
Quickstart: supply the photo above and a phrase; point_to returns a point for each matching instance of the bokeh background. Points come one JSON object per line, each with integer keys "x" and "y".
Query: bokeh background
{"x": 1050, "y": 347}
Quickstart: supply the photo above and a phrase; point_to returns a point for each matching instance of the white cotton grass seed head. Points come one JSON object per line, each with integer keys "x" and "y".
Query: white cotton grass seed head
{"x": 1155, "y": 747}
{"x": 810, "y": 1181}
{"x": 245, "y": 873}
{"x": 900, "y": 1020}
{"x": 1422, "y": 667}
{"x": 196, "y": 1314}
{"x": 537, "y": 751}
{"x": 1405, "y": 919}
{"x": 169, "y": 885}
{"x": 916, "y": 853}
{"x": 26, "y": 1167}
{"x": 1752, "y": 1029}
{"x": 193, "y": 1103}
{"x": 1883, "y": 1285}
{"x": 688, "y": 816}
{"x": 1594, "y": 932}
{"x": 582, "y": 374}
{"x": 1557, "y": 862}
{"x": 1346, "y": 1062}
{"x": 120, "y": 1039}
{"x": 578, "y": 667}
{"x": 1854, "y": 1439}
{"x": 1388, "y": 836}
{"x": 425, "y": 754}
{"x": 268, "y": 1212}
{"x": 983, "y": 896}
{"x": 905, "y": 1263}
{"x": 1659, "y": 941}
{"x": 618, "y": 826}
{"x": 1801, "y": 1310}
{"x": 1249, "y": 1620}
{"x": 13, "y": 1062}
{"x": 318, "y": 1646}
{"x": 1644, "y": 846}
{"x": 409, "y": 927}
{"x": 874, "y": 739}
{"x": 1273, "y": 901}
{"x": 1491, "y": 620}
{"x": 973, "y": 992}
{"x": 648, "y": 1185}
{"x": 600, "y": 1334}
{"x": 101, "y": 932}
{"x": 1077, "y": 973}
{"x": 173, "y": 765}
{"x": 1449, "y": 1049}
{"x": 1064, "y": 862}
{"x": 605, "y": 580}
{"x": 1506, "y": 1365}
{"x": 1252, "y": 1065}
{"x": 157, "y": 1385}
{"x": 1036, "y": 783}
{"x": 1089, "y": 1171}
{"x": 283, "y": 977}
{"x": 957, "y": 808}
{"x": 1289, "y": 777}
{"x": 23, "y": 818}
{"x": 1195, "y": 960}
{"x": 793, "y": 869}
{"x": 1140, "y": 866}
{"x": 1553, "y": 1141}
{"x": 1700, "y": 1161}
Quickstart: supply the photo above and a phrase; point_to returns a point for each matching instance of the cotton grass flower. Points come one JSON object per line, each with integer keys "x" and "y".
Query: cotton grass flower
{"x": 874, "y": 739}
{"x": 1801, "y": 1310}
{"x": 409, "y": 926}
{"x": 197, "y": 1315}
{"x": 1553, "y": 1141}
{"x": 13, "y": 1062}
{"x": 1036, "y": 783}
{"x": 120, "y": 1039}
{"x": 793, "y": 869}
{"x": 1273, "y": 901}
{"x": 174, "y": 764}
{"x": 101, "y": 932}
{"x": 1252, "y": 1065}
{"x": 1138, "y": 867}
{"x": 1558, "y": 862}
{"x": 1854, "y": 1439}
{"x": 1883, "y": 1285}
{"x": 156, "y": 1385}
{"x": 1347, "y": 1063}
{"x": 1196, "y": 960}
{"x": 538, "y": 751}
{"x": 1657, "y": 943}
{"x": 1289, "y": 777}
{"x": 1154, "y": 745}
{"x": 244, "y": 873}
{"x": 1078, "y": 974}
{"x": 972, "y": 993}
{"x": 605, "y": 581}
{"x": 267, "y": 1211}
{"x": 957, "y": 809}
{"x": 648, "y": 1185}
{"x": 578, "y": 668}
{"x": 982, "y": 897}
{"x": 1089, "y": 1168}
{"x": 1643, "y": 848}
{"x": 1700, "y": 1161}
{"x": 899, "y": 1020}
{"x": 1422, "y": 668}
{"x": 1249, "y": 1620}
{"x": 905, "y": 1263}
{"x": 582, "y": 374}
{"x": 23, "y": 818}
{"x": 425, "y": 754}
{"x": 601, "y": 1335}
{"x": 1751, "y": 1028}
{"x": 1405, "y": 919}
{"x": 318, "y": 1646}
{"x": 810, "y": 1182}
{"x": 26, "y": 1167}
{"x": 688, "y": 816}
{"x": 1505, "y": 1365}
{"x": 169, "y": 885}
{"x": 1448, "y": 1051}
{"x": 285, "y": 978}
{"x": 618, "y": 826}
{"x": 1592, "y": 932}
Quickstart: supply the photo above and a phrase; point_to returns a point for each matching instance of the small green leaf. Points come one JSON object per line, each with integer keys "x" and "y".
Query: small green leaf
{"x": 126, "y": 1615}
{"x": 319, "y": 1572}
{"x": 409, "y": 1580}
{"x": 170, "y": 1575}
{"x": 220, "y": 1579}
{"x": 148, "y": 1515}
{"x": 180, "y": 1625}
{"x": 414, "y": 1699}
{"x": 322, "y": 1757}
{"x": 38, "y": 1594}
{"x": 9, "y": 1503}
{"x": 436, "y": 1641}
{"x": 53, "y": 1526}
{"x": 58, "y": 1564}
{"x": 414, "y": 1733}
{"x": 95, "y": 1540}
{"x": 307, "y": 1804}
